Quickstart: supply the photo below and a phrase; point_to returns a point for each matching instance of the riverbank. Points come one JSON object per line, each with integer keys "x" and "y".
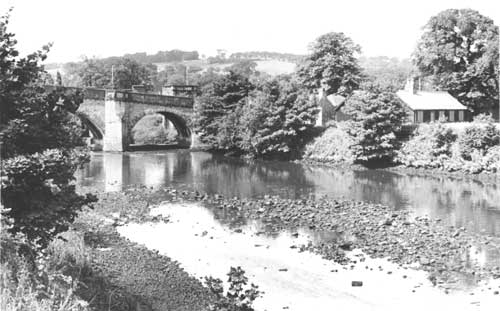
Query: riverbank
{"x": 422, "y": 172}
{"x": 433, "y": 148}
{"x": 134, "y": 277}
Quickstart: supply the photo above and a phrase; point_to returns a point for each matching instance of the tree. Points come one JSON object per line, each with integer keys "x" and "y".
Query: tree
{"x": 376, "y": 118}
{"x": 37, "y": 141}
{"x": 278, "y": 120}
{"x": 245, "y": 68}
{"x": 384, "y": 73}
{"x": 459, "y": 50}
{"x": 58, "y": 79}
{"x": 94, "y": 72}
{"x": 220, "y": 98}
{"x": 332, "y": 65}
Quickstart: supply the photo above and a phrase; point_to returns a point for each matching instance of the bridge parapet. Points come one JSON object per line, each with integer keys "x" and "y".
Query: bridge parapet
{"x": 150, "y": 99}
{"x": 131, "y": 97}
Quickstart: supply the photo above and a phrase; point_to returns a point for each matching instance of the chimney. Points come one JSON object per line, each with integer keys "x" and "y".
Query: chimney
{"x": 413, "y": 85}
{"x": 416, "y": 83}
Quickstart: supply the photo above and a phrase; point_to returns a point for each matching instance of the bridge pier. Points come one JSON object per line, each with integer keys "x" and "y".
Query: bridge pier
{"x": 115, "y": 116}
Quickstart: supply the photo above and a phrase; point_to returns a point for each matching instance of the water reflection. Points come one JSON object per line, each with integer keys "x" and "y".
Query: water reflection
{"x": 463, "y": 203}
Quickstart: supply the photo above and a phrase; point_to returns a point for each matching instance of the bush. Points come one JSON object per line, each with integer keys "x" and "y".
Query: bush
{"x": 52, "y": 202}
{"x": 431, "y": 145}
{"x": 333, "y": 146}
{"x": 491, "y": 160}
{"x": 376, "y": 118}
{"x": 478, "y": 138}
{"x": 26, "y": 281}
{"x": 237, "y": 297}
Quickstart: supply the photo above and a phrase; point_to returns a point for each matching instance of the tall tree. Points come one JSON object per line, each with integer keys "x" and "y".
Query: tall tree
{"x": 37, "y": 141}
{"x": 220, "y": 98}
{"x": 376, "y": 118}
{"x": 332, "y": 65}
{"x": 278, "y": 120}
{"x": 459, "y": 51}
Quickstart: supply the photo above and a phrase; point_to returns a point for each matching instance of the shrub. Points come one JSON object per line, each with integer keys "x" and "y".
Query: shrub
{"x": 478, "y": 138}
{"x": 491, "y": 160}
{"x": 431, "y": 145}
{"x": 376, "y": 118}
{"x": 52, "y": 202}
{"x": 237, "y": 298}
{"x": 334, "y": 146}
{"x": 26, "y": 281}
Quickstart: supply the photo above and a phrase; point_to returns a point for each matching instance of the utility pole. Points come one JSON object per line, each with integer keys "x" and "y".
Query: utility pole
{"x": 113, "y": 77}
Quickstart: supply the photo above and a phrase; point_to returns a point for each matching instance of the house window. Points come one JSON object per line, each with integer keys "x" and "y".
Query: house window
{"x": 441, "y": 115}
{"x": 461, "y": 115}
{"x": 452, "y": 115}
{"x": 427, "y": 116}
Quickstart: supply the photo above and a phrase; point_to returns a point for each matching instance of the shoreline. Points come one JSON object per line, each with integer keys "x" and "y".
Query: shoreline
{"x": 142, "y": 278}
{"x": 425, "y": 172}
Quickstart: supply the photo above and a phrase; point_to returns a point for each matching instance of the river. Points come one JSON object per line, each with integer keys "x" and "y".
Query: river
{"x": 211, "y": 246}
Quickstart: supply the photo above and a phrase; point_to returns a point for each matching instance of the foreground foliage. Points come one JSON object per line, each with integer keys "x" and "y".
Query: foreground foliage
{"x": 237, "y": 298}
{"x": 38, "y": 138}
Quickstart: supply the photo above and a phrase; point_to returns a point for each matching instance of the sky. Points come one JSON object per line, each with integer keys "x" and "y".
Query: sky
{"x": 104, "y": 28}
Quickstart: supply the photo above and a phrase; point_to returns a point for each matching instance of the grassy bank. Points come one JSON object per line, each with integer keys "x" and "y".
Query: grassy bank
{"x": 471, "y": 149}
{"x": 90, "y": 267}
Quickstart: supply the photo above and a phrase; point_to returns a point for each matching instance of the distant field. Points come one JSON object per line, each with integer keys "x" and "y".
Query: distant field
{"x": 271, "y": 67}
{"x": 275, "y": 67}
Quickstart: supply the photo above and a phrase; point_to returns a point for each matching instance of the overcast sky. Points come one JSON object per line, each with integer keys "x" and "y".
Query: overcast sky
{"x": 105, "y": 28}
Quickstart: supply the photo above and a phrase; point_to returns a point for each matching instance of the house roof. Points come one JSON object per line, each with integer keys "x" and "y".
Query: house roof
{"x": 333, "y": 99}
{"x": 423, "y": 100}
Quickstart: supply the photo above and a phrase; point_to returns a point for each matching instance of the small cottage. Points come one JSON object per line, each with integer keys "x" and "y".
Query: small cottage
{"x": 428, "y": 106}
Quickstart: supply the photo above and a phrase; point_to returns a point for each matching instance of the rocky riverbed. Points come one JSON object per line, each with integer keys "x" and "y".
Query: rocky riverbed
{"x": 379, "y": 231}
{"x": 446, "y": 252}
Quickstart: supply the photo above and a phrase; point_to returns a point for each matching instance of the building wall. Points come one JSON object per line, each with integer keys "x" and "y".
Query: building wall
{"x": 426, "y": 116}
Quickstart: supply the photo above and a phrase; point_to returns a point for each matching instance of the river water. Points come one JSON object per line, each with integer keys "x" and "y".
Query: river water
{"x": 210, "y": 245}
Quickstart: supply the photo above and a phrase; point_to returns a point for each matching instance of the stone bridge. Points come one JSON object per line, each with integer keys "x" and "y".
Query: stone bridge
{"x": 110, "y": 115}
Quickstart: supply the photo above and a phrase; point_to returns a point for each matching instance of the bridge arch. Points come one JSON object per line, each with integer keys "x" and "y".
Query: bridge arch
{"x": 92, "y": 126}
{"x": 180, "y": 123}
